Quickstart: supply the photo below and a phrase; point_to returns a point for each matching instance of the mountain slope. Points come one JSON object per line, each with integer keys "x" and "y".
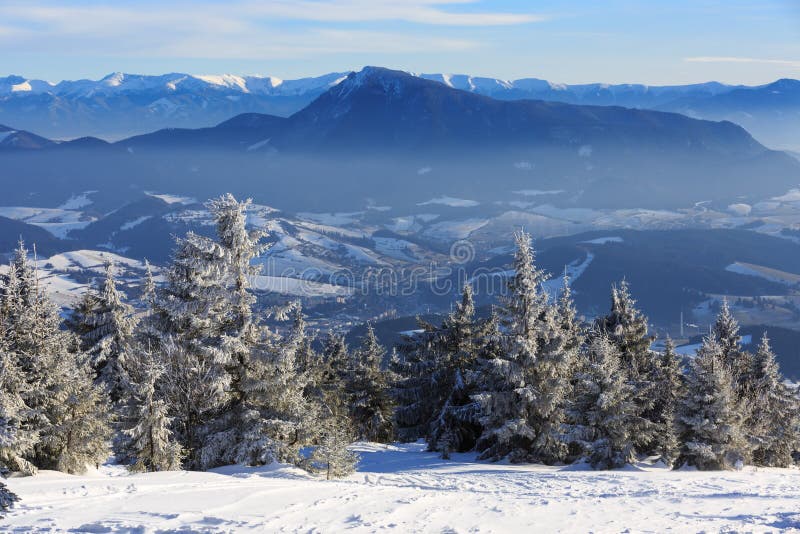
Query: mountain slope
{"x": 770, "y": 111}
{"x": 392, "y": 110}
{"x": 11, "y": 139}
{"x": 121, "y": 105}
{"x": 395, "y": 139}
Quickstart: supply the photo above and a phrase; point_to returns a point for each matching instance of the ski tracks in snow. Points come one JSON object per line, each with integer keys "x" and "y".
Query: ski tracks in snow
{"x": 401, "y": 488}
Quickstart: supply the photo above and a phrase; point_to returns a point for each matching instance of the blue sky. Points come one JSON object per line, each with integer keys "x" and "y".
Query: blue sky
{"x": 571, "y": 41}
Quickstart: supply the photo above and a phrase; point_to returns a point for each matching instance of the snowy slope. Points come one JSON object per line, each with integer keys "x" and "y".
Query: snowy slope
{"x": 403, "y": 489}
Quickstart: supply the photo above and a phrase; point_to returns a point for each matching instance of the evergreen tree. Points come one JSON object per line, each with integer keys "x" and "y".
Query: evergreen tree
{"x": 277, "y": 417}
{"x": 151, "y": 439}
{"x": 241, "y": 247}
{"x": 239, "y": 333}
{"x": 604, "y": 409}
{"x": 415, "y": 390}
{"x": 7, "y": 499}
{"x": 17, "y": 439}
{"x": 773, "y": 419}
{"x": 626, "y": 327}
{"x": 710, "y": 416}
{"x": 667, "y": 392}
{"x": 370, "y": 405}
{"x": 524, "y": 386}
{"x": 190, "y": 315}
{"x": 79, "y": 415}
{"x": 105, "y": 325}
{"x": 334, "y": 370}
{"x": 726, "y": 332}
{"x": 332, "y": 457}
{"x": 437, "y": 377}
{"x": 148, "y": 296}
{"x": 455, "y": 426}
{"x": 67, "y": 411}
{"x": 561, "y": 340}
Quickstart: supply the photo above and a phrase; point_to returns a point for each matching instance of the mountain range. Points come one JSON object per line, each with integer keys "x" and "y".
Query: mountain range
{"x": 121, "y": 105}
{"x": 386, "y": 136}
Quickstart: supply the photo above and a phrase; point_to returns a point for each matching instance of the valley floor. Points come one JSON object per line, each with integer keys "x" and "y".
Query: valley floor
{"x": 404, "y": 489}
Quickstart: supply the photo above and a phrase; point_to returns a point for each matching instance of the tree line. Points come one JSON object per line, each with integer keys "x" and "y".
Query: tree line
{"x": 194, "y": 379}
{"x": 532, "y": 383}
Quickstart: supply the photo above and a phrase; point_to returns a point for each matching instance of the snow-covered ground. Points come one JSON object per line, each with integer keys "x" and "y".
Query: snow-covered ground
{"x": 403, "y": 489}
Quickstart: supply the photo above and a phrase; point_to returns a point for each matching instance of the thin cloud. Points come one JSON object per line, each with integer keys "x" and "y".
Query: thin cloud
{"x": 426, "y": 12}
{"x": 416, "y": 11}
{"x": 725, "y": 59}
{"x": 241, "y": 29}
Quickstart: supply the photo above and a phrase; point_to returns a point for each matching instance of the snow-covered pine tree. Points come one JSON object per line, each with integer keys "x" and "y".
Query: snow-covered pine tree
{"x": 773, "y": 415}
{"x": 189, "y": 318}
{"x": 626, "y": 327}
{"x": 79, "y": 433}
{"x": 105, "y": 326}
{"x": 151, "y": 440}
{"x": 559, "y": 346}
{"x": 241, "y": 247}
{"x": 603, "y": 409}
{"x": 710, "y": 416}
{"x": 370, "y": 403}
{"x": 667, "y": 392}
{"x": 7, "y": 499}
{"x": 239, "y": 331}
{"x": 435, "y": 377}
{"x": 507, "y": 396}
{"x": 336, "y": 362}
{"x": 455, "y": 426}
{"x": 332, "y": 456}
{"x": 740, "y": 362}
{"x": 524, "y": 386}
{"x": 415, "y": 389}
{"x": 148, "y": 295}
{"x": 570, "y": 324}
{"x": 69, "y": 413}
{"x": 17, "y": 439}
{"x": 279, "y": 418}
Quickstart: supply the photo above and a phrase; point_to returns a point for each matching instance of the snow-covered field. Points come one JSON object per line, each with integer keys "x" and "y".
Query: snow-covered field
{"x": 403, "y": 489}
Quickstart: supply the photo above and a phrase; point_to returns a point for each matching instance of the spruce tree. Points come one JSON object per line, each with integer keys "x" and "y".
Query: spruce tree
{"x": 241, "y": 246}
{"x": 437, "y": 370}
{"x": 17, "y": 438}
{"x": 415, "y": 390}
{"x": 626, "y": 327}
{"x": 148, "y": 291}
{"x": 105, "y": 325}
{"x": 151, "y": 439}
{"x": 710, "y": 415}
{"x": 773, "y": 420}
{"x": 332, "y": 456}
{"x": 740, "y": 363}
{"x": 523, "y": 389}
{"x": 370, "y": 404}
{"x": 334, "y": 370}
{"x": 7, "y": 499}
{"x": 280, "y": 418}
{"x": 667, "y": 393}
{"x": 561, "y": 340}
{"x": 239, "y": 332}
{"x": 189, "y": 317}
{"x": 79, "y": 433}
{"x": 605, "y": 414}
{"x": 67, "y": 411}
{"x": 455, "y": 427}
